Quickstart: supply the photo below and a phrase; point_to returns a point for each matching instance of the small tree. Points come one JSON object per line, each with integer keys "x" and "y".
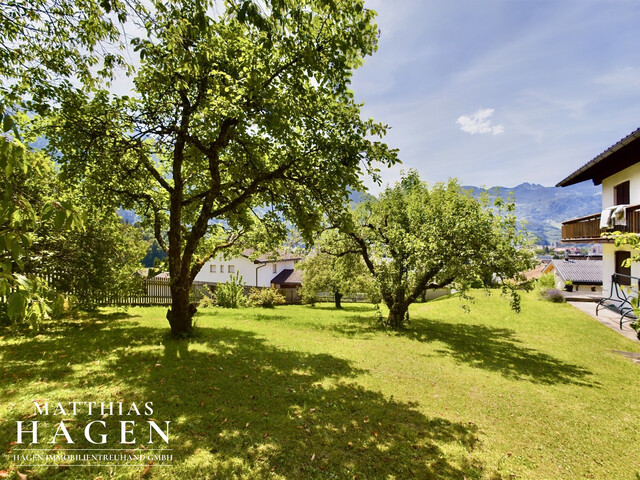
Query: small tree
{"x": 231, "y": 293}
{"x": 414, "y": 237}
{"x": 341, "y": 274}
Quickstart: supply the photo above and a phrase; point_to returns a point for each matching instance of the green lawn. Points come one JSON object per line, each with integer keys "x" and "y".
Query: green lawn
{"x": 308, "y": 392}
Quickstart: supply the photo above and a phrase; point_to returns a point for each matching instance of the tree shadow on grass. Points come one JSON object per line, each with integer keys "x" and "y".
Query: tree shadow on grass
{"x": 498, "y": 350}
{"x": 242, "y": 407}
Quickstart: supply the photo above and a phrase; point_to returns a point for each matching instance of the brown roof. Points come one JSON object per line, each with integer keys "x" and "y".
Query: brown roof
{"x": 535, "y": 272}
{"x": 277, "y": 256}
{"x": 616, "y": 158}
{"x": 288, "y": 276}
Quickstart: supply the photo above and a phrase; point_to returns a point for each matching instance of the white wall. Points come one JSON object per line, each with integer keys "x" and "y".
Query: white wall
{"x": 632, "y": 174}
{"x": 609, "y": 266}
{"x": 244, "y": 267}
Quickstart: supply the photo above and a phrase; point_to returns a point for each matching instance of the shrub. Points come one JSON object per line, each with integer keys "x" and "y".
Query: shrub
{"x": 309, "y": 298}
{"x": 207, "y": 301}
{"x": 546, "y": 281}
{"x": 553, "y": 295}
{"x": 266, "y": 297}
{"x": 231, "y": 293}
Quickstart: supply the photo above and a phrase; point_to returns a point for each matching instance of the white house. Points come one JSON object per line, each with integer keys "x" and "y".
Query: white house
{"x": 255, "y": 271}
{"x": 617, "y": 169}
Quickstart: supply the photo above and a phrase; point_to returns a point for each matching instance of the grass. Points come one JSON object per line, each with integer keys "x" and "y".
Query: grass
{"x": 309, "y": 392}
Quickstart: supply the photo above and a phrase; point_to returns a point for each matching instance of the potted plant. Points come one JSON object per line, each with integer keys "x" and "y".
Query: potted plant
{"x": 568, "y": 286}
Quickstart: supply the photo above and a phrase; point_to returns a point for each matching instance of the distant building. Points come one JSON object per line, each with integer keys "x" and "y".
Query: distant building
{"x": 256, "y": 270}
{"x": 585, "y": 275}
{"x": 617, "y": 169}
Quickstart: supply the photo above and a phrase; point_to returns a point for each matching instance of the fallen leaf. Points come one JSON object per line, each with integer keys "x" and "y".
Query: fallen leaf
{"x": 158, "y": 365}
{"x": 147, "y": 469}
{"x": 313, "y": 457}
{"x": 4, "y": 474}
{"x": 375, "y": 434}
{"x": 202, "y": 403}
{"x": 224, "y": 421}
{"x": 21, "y": 476}
{"x": 265, "y": 435}
{"x": 246, "y": 425}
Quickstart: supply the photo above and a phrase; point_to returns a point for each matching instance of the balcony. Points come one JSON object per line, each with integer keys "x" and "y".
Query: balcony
{"x": 587, "y": 229}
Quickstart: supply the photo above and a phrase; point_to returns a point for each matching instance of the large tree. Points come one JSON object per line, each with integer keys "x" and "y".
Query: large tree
{"x": 241, "y": 113}
{"x": 414, "y": 237}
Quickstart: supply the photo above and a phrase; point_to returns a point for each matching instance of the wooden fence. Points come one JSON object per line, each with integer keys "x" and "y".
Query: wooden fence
{"x": 152, "y": 291}
{"x": 148, "y": 291}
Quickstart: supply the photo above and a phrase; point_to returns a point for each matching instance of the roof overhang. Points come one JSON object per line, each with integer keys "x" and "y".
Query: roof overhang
{"x": 616, "y": 158}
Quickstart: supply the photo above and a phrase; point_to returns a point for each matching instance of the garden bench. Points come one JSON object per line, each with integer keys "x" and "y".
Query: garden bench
{"x": 619, "y": 299}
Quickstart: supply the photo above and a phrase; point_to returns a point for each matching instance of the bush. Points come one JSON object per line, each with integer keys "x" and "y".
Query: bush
{"x": 309, "y": 298}
{"x": 553, "y": 295}
{"x": 546, "y": 281}
{"x": 266, "y": 297}
{"x": 207, "y": 301}
{"x": 231, "y": 294}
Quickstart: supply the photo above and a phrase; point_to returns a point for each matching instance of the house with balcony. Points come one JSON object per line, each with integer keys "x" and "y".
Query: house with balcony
{"x": 617, "y": 169}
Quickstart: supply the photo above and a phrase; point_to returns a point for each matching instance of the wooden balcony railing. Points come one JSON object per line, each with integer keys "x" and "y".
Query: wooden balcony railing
{"x": 587, "y": 229}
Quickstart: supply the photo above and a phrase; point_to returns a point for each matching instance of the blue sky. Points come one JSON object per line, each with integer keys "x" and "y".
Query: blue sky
{"x": 500, "y": 92}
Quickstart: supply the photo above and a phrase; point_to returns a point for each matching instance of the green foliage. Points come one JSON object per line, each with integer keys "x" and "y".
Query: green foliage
{"x": 98, "y": 262}
{"x": 231, "y": 293}
{"x": 46, "y": 43}
{"x": 415, "y": 237}
{"x": 207, "y": 301}
{"x": 28, "y": 207}
{"x": 546, "y": 281}
{"x": 266, "y": 297}
{"x": 339, "y": 274}
{"x": 308, "y": 298}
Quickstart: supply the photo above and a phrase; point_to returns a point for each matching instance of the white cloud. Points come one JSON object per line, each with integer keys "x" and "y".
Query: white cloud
{"x": 479, "y": 122}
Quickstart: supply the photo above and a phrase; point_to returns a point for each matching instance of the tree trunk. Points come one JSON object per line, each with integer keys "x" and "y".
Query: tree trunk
{"x": 181, "y": 313}
{"x": 337, "y": 296}
{"x": 398, "y": 313}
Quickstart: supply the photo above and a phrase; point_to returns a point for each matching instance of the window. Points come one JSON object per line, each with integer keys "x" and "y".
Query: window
{"x": 231, "y": 269}
{"x": 275, "y": 268}
{"x": 622, "y": 279}
{"x": 621, "y": 193}
{"x": 212, "y": 268}
{"x": 221, "y": 268}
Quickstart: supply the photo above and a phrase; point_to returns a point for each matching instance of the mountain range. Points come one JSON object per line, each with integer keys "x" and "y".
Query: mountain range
{"x": 545, "y": 208}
